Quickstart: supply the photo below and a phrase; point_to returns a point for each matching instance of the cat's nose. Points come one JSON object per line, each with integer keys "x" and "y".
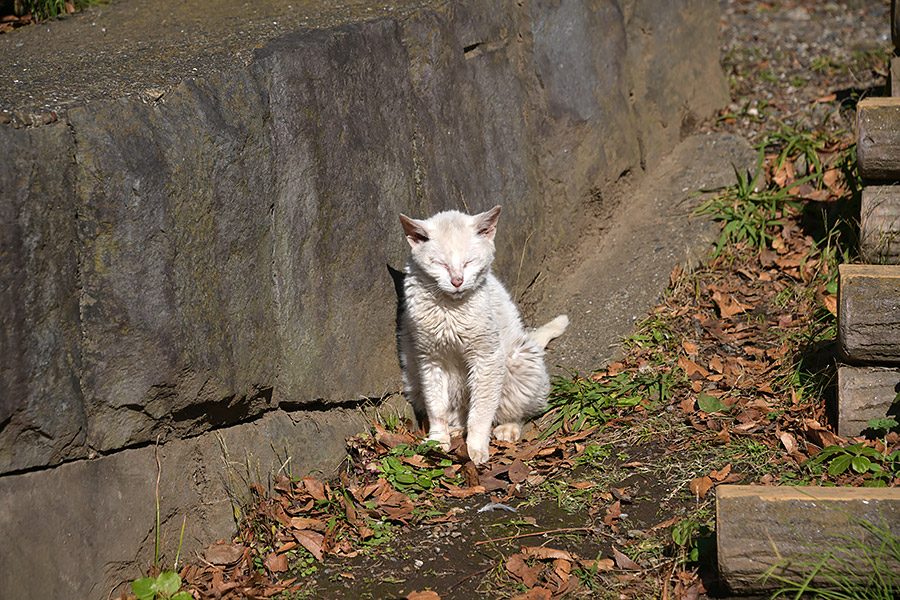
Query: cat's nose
{"x": 456, "y": 281}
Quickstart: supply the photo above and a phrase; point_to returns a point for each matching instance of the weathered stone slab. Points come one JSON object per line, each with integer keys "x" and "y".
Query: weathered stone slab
{"x": 879, "y": 230}
{"x": 83, "y": 529}
{"x": 42, "y": 414}
{"x": 878, "y": 147}
{"x": 174, "y": 224}
{"x": 784, "y": 528}
{"x": 869, "y": 313}
{"x": 209, "y": 255}
{"x": 866, "y": 393}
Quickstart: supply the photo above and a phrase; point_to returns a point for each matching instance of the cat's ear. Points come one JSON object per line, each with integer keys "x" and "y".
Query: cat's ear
{"x": 414, "y": 230}
{"x": 486, "y": 222}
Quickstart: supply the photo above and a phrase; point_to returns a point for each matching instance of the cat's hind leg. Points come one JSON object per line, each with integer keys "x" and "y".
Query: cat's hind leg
{"x": 508, "y": 432}
{"x": 525, "y": 389}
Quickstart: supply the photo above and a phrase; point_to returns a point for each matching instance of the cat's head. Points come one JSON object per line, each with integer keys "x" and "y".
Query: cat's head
{"x": 454, "y": 249}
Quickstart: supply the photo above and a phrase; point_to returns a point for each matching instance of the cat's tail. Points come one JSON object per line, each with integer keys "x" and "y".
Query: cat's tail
{"x": 542, "y": 335}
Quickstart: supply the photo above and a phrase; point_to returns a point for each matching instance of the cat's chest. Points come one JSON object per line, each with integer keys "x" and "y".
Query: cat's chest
{"x": 450, "y": 327}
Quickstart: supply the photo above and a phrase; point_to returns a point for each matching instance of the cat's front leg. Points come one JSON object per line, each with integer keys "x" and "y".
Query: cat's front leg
{"x": 435, "y": 384}
{"x": 486, "y": 385}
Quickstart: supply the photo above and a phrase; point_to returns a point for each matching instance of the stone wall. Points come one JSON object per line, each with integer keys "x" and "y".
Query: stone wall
{"x": 215, "y": 262}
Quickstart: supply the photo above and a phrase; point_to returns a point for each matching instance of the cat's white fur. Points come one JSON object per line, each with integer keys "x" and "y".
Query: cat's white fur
{"x": 467, "y": 361}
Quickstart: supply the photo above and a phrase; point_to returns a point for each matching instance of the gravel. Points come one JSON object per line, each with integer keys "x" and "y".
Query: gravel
{"x": 801, "y": 63}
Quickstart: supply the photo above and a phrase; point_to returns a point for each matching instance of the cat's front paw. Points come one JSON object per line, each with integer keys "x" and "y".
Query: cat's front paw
{"x": 441, "y": 438}
{"x": 479, "y": 454}
{"x": 508, "y": 432}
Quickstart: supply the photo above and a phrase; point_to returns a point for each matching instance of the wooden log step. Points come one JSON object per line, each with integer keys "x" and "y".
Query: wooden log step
{"x": 879, "y": 230}
{"x": 895, "y": 76}
{"x": 866, "y": 393}
{"x": 869, "y": 313}
{"x": 785, "y": 528}
{"x": 878, "y": 147}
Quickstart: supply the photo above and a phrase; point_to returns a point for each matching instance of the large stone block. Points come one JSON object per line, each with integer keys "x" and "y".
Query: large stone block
{"x": 879, "y": 228}
{"x": 85, "y": 528}
{"x": 878, "y": 147}
{"x": 869, "y": 313}
{"x": 174, "y": 211}
{"x": 866, "y": 393}
{"x": 42, "y": 415}
{"x": 789, "y": 530}
{"x": 465, "y": 50}
{"x": 343, "y": 133}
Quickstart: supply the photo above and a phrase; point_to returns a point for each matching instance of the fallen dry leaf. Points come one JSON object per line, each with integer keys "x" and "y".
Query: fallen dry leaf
{"x": 426, "y": 595}
{"x": 583, "y": 485}
{"x": 700, "y": 486}
{"x": 312, "y": 541}
{"x": 613, "y": 513}
{"x": 788, "y": 441}
{"x": 315, "y": 488}
{"x": 721, "y": 473}
{"x": 623, "y": 562}
{"x": 543, "y": 553}
{"x": 603, "y": 564}
{"x": 223, "y": 554}
{"x": 517, "y": 567}
{"x": 728, "y": 306}
{"x": 535, "y": 593}
{"x": 518, "y": 471}
{"x": 306, "y": 523}
{"x": 277, "y": 563}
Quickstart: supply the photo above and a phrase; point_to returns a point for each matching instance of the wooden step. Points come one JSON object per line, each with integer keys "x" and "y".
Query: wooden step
{"x": 869, "y": 313}
{"x": 878, "y": 148}
{"x": 879, "y": 230}
{"x": 866, "y": 393}
{"x": 895, "y": 76}
{"x": 761, "y": 527}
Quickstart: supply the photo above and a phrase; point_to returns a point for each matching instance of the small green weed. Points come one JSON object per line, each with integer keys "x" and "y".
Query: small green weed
{"x": 693, "y": 539}
{"x": 165, "y": 586}
{"x": 411, "y": 479}
{"x": 47, "y": 9}
{"x": 579, "y": 402}
{"x": 594, "y": 454}
{"x": 880, "y": 467}
{"x": 748, "y": 209}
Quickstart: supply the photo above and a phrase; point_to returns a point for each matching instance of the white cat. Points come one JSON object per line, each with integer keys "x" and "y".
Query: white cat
{"x": 467, "y": 361}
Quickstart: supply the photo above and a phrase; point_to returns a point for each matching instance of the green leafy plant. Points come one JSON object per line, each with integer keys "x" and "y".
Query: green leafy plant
{"x": 693, "y": 538}
{"x": 164, "y": 586}
{"x": 880, "y": 467}
{"x": 594, "y": 454}
{"x": 710, "y": 404}
{"x": 411, "y": 479}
